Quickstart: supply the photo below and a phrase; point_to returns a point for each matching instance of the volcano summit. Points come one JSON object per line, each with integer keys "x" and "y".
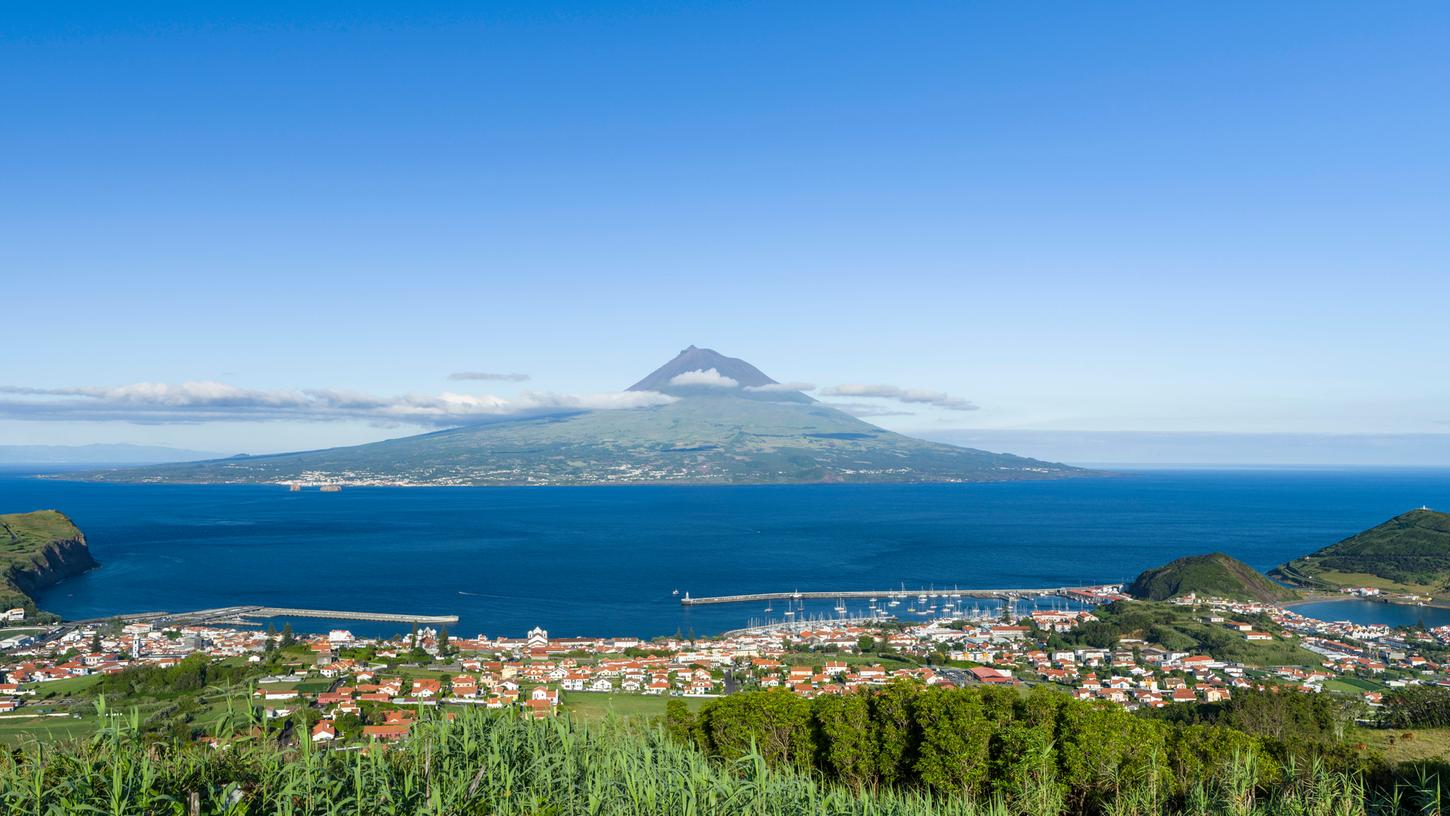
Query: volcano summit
{"x": 725, "y": 422}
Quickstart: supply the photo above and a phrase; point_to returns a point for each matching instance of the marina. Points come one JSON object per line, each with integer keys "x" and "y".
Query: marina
{"x": 923, "y": 597}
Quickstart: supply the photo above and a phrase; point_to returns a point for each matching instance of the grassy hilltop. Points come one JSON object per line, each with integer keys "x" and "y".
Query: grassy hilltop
{"x": 1410, "y": 552}
{"x": 1213, "y": 575}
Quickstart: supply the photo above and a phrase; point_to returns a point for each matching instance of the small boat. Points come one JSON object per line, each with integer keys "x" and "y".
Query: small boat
{"x": 676, "y": 592}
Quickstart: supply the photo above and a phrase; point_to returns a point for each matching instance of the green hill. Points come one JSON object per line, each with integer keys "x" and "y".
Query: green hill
{"x": 1213, "y": 575}
{"x": 1409, "y": 552}
{"x": 738, "y": 426}
{"x": 36, "y": 550}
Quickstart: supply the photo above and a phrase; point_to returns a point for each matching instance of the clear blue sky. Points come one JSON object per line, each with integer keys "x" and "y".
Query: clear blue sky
{"x": 1099, "y": 216}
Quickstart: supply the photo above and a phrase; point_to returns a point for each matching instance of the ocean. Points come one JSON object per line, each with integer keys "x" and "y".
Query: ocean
{"x": 608, "y": 560}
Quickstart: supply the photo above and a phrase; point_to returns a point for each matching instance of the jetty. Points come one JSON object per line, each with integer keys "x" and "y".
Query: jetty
{"x": 901, "y": 594}
{"x": 243, "y": 615}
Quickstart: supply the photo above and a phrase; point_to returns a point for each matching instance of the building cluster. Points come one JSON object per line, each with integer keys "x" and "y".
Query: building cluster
{"x": 365, "y": 689}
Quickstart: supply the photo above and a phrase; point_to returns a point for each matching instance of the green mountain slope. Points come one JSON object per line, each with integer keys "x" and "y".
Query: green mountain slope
{"x": 1410, "y": 551}
{"x": 1213, "y": 575}
{"x": 723, "y": 435}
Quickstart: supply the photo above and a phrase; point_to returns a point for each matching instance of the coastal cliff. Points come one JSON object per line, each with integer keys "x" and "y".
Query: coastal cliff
{"x": 37, "y": 550}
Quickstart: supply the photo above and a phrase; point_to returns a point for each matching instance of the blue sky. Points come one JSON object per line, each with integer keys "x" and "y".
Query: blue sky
{"x": 1228, "y": 217}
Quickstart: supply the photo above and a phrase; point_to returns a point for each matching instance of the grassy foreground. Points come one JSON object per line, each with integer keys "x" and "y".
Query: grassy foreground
{"x": 484, "y": 763}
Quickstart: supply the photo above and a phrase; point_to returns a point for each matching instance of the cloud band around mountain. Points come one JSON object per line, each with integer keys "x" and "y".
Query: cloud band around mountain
{"x": 915, "y": 396}
{"x": 196, "y": 402}
{"x": 707, "y": 377}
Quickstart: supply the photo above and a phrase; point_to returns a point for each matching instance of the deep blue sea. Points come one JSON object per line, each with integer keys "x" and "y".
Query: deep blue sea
{"x": 606, "y": 560}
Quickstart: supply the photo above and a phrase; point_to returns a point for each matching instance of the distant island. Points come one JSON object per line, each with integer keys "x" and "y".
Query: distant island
{"x": 36, "y": 550}
{"x": 97, "y": 454}
{"x": 1409, "y": 553}
{"x": 726, "y": 423}
{"x": 1211, "y": 576}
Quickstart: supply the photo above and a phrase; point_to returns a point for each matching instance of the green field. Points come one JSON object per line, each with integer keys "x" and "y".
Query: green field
{"x": 1352, "y": 685}
{"x": 17, "y": 728}
{"x": 587, "y": 705}
{"x": 819, "y": 660}
{"x": 1409, "y": 746}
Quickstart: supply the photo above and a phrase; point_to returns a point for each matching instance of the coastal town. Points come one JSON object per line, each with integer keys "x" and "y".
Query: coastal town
{"x": 348, "y": 689}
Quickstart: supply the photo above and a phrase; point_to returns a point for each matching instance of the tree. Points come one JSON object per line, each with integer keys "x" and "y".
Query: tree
{"x": 866, "y": 643}
{"x": 776, "y": 723}
{"x": 847, "y": 740}
{"x": 680, "y": 722}
{"x": 894, "y": 724}
{"x": 955, "y": 733}
{"x": 1102, "y": 748}
{"x": 95, "y": 641}
{"x": 288, "y": 638}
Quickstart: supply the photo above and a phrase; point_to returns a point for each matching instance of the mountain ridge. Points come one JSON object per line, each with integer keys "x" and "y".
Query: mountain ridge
{"x": 716, "y": 430}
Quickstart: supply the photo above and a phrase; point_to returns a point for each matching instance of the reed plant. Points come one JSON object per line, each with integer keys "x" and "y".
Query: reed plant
{"x": 480, "y": 762}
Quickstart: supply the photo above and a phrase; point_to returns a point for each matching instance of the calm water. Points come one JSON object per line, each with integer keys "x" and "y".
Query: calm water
{"x": 605, "y": 560}
{"x": 1375, "y": 612}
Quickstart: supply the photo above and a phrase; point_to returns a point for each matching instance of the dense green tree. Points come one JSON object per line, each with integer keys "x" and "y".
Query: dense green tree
{"x": 1103, "y": 748}
{"x": 846, "y": 738}
{"x": 955, "y": 732}
{"x": 680, "y": 722}
{"x": 777, "y": 723}
{"x": 894, "y": 723}
{"x": 1416, "y": 707}
{"x": 1201, "y": 753}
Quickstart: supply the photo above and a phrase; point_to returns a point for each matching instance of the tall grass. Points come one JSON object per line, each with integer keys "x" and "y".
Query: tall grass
{"x": 500, "y": 765}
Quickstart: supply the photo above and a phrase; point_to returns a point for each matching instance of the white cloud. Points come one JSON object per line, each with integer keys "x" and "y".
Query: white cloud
{"x": 919, "y": 396}
{"x": 707, "y": 377}
{"x": 194, "y": 402}
{"x": 785, "y": 386}
{"x": 488, "y": 375}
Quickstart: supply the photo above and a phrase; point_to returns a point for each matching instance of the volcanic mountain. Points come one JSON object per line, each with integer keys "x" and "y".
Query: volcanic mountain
{"x": 726, "y": 423}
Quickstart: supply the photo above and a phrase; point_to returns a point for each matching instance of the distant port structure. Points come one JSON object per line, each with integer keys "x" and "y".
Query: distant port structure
{"x": 245, "y": 615}
{"x": 1093, "y": 593}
